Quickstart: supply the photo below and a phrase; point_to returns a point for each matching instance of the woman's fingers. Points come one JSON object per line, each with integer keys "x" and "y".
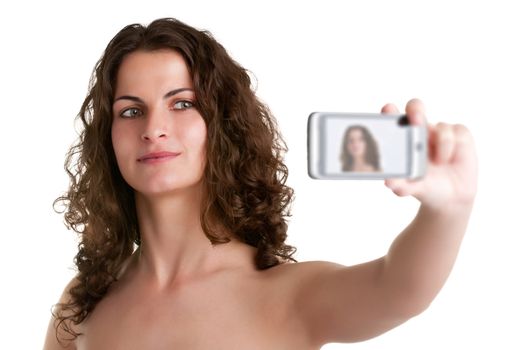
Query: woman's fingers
{"x": 415, "y": 111}
{"x": 464, "y": 143}
{"x": 444, "y": 142}
{"x": 452, "y": 162}
{"x": 389, "y": 108}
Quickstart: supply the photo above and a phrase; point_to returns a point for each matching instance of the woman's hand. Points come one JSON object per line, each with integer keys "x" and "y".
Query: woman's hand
{"x": 451, "y": 177}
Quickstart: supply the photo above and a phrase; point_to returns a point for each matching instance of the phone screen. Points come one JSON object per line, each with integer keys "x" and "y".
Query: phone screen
{"x": 367, "y": 146}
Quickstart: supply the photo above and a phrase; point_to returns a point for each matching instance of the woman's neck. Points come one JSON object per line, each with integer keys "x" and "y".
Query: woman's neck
{"x": 360, "y": 160}
{"x": 173, "y": 244}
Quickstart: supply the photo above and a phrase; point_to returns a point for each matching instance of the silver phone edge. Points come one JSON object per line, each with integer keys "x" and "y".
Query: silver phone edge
{"x": 312, "y": 146}
{"x": 418, "y": 152}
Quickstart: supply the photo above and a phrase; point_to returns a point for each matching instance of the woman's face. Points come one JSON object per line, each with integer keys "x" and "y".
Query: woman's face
{"x": 356, "y": 145}
{"x": 158, "y": 136}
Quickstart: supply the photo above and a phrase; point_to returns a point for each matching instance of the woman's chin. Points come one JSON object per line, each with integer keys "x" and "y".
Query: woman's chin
{"x": 160, "y": 189}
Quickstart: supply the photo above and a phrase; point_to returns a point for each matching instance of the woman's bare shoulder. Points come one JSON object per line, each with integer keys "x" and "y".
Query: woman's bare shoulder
{"x": 305, "y": 266}
{"x": 295, "y": 274}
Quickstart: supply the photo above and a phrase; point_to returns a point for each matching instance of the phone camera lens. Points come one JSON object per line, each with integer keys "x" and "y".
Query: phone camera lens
{"x": 403, "y": 121}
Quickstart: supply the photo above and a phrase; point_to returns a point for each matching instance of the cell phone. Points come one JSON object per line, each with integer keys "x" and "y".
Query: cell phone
{"x": 365, "y": 146}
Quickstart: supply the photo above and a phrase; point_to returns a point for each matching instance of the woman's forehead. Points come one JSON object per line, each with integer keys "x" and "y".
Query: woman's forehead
{"x": 355, "y": 131}
{"x": 145, "y": 70}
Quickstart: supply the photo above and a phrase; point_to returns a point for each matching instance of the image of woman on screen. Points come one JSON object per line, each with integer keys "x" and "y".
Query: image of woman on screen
{"x": 359, "y": 150}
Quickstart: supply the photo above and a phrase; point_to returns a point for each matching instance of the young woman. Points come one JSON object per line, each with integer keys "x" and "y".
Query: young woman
{"x": 359, "y": 150}
{"x": 178, "y": 193}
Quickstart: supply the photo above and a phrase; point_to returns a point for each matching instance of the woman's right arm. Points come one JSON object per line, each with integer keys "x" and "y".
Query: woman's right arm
{"x": 51, "y": 342}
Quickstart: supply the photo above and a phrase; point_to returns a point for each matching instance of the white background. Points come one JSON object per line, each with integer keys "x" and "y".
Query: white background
{"x": 466, "y": 60}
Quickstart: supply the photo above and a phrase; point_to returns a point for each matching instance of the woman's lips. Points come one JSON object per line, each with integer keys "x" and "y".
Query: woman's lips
{"x": 157, "y": 157}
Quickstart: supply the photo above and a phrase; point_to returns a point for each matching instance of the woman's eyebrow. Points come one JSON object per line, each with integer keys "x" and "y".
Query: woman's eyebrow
{"x": 137, "y": 99}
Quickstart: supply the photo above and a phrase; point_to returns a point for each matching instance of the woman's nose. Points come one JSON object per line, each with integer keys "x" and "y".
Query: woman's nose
{"x": 155, "y": 126}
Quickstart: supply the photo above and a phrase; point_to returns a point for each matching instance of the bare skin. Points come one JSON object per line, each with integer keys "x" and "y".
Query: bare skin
{"x": 179, "y": 292}
{"x": 234, "y": 307}
{"x": 359, "y": 166}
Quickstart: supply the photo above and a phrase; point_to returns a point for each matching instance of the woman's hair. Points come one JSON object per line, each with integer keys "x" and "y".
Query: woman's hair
{"x": 372, "y": 151}
{"x": 244, "y": 176}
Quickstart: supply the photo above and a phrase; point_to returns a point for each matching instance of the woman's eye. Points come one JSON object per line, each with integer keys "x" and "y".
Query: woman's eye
{"x": 184, "y": 104}
{"x": 131, "y": 113}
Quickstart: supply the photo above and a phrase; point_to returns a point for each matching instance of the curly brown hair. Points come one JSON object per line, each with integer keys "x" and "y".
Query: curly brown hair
{"x": 372, "y": 150}
{"x": 244, "y": 177}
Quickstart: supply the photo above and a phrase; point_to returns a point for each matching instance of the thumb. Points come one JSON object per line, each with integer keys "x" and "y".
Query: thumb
{"x": 405, "y": 187}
